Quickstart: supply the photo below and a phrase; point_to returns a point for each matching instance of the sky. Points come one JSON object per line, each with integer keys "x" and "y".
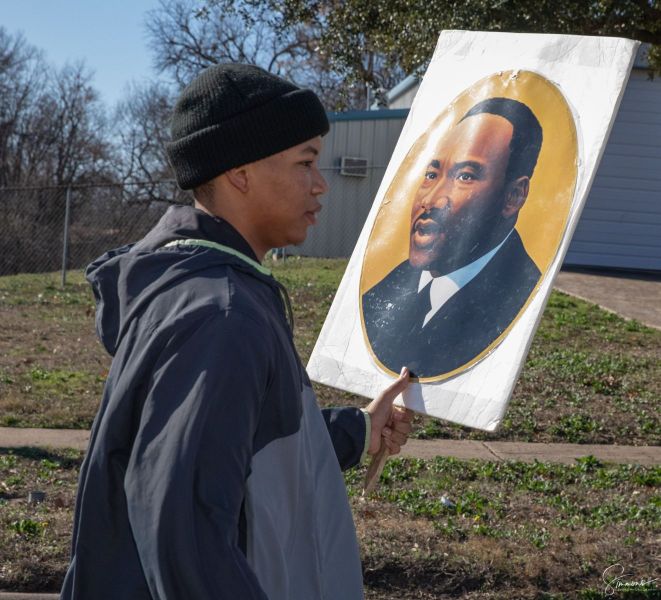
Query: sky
{"x": 108, "y": 35}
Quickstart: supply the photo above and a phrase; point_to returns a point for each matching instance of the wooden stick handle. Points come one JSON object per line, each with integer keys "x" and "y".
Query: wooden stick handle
{"x": 376, "y": 468}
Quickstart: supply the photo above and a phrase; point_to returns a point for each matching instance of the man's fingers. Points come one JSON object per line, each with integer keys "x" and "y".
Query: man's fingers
{"x": 393, "y": 447}
{"x": 403, "y": 427}
{"x": 400, "y": 422}
{"x": 399, "y": 413}
{"x": 394, "y": 437}
{"x": 382, "y": 414}
{"x": 398, "y": 438}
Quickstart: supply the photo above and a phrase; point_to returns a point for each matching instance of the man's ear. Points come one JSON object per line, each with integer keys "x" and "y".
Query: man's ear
{"x": 238, "y": 178}
{"x": 517, "y": 192}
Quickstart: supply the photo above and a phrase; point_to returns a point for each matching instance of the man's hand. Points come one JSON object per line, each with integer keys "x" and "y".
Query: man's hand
{"x": 393, "y": 423}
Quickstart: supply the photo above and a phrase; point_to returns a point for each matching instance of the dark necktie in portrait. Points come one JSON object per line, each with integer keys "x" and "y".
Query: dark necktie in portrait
{"x": 468, "y": 274}
{"x": 466, "y": 324}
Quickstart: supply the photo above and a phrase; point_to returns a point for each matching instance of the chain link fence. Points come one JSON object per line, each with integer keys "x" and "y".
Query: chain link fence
{"x": 48, "y": 229}
{"x": 58, "y": 228}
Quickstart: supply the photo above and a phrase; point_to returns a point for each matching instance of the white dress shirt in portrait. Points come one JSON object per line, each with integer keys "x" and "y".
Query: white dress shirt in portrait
{"x": 444, "y": 287}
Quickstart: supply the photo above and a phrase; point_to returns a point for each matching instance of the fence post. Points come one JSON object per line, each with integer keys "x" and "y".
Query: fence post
{"x": 65, "y": 244}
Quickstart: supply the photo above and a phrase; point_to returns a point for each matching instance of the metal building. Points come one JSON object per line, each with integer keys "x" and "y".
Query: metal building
{"x": 621, "y": 222}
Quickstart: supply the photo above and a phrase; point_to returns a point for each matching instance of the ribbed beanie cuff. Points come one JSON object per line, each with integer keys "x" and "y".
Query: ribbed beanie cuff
{"x": 231, "y": 115}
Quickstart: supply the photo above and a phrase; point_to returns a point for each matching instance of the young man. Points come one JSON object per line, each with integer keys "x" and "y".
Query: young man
{"x": 211, "y": 473}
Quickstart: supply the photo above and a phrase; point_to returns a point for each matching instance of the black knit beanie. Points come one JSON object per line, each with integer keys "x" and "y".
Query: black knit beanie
{"x": 231, "y": 115}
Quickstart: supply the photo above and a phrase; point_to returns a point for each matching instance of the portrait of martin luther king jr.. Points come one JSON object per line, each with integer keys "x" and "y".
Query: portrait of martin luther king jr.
{"x": 468, "y": 274}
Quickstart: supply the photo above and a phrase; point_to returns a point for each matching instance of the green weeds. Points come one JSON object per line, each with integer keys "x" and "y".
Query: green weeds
{"x": 35, "y": 538}
{"x": 28, "y": 527}
{"x": 591, "y": 376}
{"x": 511, "y": 529}
{"x": 604, "y": 373}
{"x": 573, "y": 427}
{"x": 43, "y": 289}
{"x": 587, "y": 493}
{"x": 57, "y": 398}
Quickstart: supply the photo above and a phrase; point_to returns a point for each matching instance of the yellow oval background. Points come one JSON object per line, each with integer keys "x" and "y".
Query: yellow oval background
{"x": 543, "y": 218}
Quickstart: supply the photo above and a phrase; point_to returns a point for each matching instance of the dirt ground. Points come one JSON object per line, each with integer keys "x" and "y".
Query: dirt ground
{"x": 590, "y": 377}
{"x": 511, "y": 530}
{"x": 439, "y": 528}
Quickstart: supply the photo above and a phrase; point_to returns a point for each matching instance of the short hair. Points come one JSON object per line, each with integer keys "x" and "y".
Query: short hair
{"x": 526, "y": 134}
{"x": 204, "y": 193}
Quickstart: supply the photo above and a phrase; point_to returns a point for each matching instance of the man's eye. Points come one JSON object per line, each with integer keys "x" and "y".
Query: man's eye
{"x": 464, "y": 176}
{"x": 431, "y": 175}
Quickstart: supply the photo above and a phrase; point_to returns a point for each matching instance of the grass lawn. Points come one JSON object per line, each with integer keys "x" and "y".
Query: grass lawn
{"x": 504, "y": 530}
{"x": 434, "y": 529}
{"x": 591, "y": 376}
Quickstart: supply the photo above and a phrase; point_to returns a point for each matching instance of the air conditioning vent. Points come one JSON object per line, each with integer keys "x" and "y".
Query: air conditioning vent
{"x": 353, "y": 167}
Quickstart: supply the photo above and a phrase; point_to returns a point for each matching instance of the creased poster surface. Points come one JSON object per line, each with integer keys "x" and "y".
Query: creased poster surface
{"x": 475, "y": 212}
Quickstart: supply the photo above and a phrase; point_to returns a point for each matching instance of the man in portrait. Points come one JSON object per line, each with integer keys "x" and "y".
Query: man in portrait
{"x": 468, "y": 274}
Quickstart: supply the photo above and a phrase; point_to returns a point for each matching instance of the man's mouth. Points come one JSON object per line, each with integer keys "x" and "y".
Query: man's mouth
{"x": 311, "y": 216}
{"x": 426, "y": 226}
{"x": 426, "y": 229}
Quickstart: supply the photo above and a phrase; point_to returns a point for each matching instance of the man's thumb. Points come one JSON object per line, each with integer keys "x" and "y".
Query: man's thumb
{"x": 397, "y": 386}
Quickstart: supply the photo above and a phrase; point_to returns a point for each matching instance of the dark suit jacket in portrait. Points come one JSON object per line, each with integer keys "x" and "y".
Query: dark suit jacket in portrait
{"x": 463, "y": 327}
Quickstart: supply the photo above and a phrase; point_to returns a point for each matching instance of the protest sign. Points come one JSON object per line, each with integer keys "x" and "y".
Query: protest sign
{"x": 474, "y": 215}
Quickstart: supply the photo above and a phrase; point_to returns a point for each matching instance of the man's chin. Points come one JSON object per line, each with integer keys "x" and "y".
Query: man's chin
{"x": 298, "y": 236}
{"x": 421, "y": 257}
{"x": 420, "y": 260}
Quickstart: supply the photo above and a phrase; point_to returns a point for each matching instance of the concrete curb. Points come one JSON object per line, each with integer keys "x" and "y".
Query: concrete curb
{"x": 17, "y": 437}
{"x": 14, "y": 437}
{"x": 527, "y": 452}
{"x": 27, "y": 596}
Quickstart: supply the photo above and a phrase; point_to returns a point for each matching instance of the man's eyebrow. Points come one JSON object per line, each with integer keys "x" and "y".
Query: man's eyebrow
{"x": 311, "y": 149}
{"x": 435, "y": 164}
{"x": 476, "y": 166}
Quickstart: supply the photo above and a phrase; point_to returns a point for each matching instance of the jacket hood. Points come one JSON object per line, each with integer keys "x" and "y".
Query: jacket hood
{"x": 125, "y": 279}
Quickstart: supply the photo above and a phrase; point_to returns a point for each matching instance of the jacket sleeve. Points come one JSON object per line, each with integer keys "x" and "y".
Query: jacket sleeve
{"x": 347, "y": 429}
{"x": 185, "y": 480}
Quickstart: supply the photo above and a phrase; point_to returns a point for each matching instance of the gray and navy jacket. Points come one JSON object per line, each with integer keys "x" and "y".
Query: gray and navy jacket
{"x": 211, "y": 473}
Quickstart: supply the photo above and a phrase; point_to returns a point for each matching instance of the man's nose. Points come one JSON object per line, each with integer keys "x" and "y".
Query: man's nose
{"x": 427, "y": 201}
{"x": 319, "y": 186}
{"x": 435, "y": 199}
{"x": 438, "y": 196}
